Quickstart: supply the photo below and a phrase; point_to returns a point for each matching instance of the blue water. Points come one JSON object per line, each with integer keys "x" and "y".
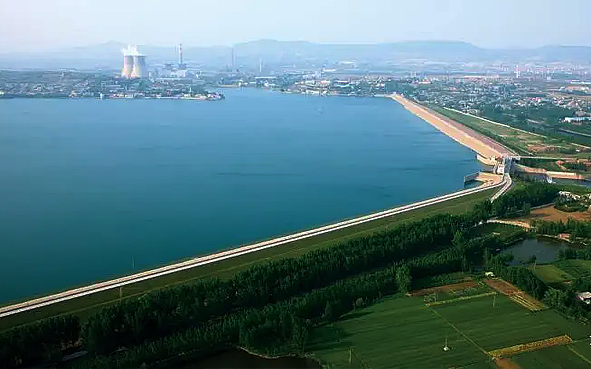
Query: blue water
{"x": 91, "y": 189}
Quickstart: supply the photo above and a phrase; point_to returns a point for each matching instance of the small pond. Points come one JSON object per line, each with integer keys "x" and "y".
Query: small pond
{"x": 242, "y": 359}
{"x": 544, "y": 248}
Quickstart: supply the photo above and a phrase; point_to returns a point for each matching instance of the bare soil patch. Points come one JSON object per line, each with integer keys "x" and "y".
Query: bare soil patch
{"x": 515, "y": 294}
{"x": 447, "y": 288}
{"x": 506, "y": 364}
{"x": 530, "y": 346}
{"x": 552, "y": 214}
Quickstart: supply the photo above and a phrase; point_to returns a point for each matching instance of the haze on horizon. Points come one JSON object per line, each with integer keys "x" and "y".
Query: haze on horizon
{"x": 39, "y": 25}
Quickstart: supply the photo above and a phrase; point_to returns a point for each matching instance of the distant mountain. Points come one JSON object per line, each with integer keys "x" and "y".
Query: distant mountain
{"x": 272, "y": 52}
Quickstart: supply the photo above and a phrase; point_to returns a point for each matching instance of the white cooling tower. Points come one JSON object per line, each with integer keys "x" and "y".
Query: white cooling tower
{"x": 140, "y": 70}
{"x": 127, "y": 66}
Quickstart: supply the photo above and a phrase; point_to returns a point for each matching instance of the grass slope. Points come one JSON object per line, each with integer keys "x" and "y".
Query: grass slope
{"x": 87, "y": 305}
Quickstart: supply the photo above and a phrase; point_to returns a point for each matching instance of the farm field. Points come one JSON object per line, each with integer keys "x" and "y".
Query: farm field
{"x": 371, "y": 337}
{"x": 551, "y": 274}
{"x": 552, "y": 214}
{"x": 521, "y": 141}
{"x": 559, "y": 357}
{"x": 374, "y": 337}
{"x": 574, "y": 267}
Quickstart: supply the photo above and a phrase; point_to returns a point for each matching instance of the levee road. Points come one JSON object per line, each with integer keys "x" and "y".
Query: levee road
{"x": 199, "y": 261}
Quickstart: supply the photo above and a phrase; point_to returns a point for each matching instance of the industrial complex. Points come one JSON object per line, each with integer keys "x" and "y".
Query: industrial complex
{"x": 134, "y": 63}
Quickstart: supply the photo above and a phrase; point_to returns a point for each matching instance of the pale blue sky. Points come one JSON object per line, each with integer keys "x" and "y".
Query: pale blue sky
{"x": 27, "y": 25}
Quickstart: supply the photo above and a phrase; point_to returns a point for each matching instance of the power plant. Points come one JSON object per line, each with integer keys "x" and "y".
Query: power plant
{"x": 134, "y": 63}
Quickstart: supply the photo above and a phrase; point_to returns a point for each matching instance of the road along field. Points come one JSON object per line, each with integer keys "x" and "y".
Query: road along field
{"x": 86, "y": 305}
{"x": 405, "y": 332}
{"x": 523, "y": 142}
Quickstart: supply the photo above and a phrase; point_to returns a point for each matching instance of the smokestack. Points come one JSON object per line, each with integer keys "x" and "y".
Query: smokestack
{"x": 140, "y": 70}
{"x": 180, "y": 54}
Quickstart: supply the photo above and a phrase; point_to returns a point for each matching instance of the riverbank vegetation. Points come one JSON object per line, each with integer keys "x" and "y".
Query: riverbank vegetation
{"x": 86, "y": 306}
{"x": 273, "y": 307}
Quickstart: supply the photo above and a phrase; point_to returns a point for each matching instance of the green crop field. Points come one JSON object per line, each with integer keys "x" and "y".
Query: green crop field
{"x": 521, "y": 141}
{"x": 507, "y": 323}
{"x": 574, "y": 267}
{"x": 552, "y": 274}
{"x": 87, "y": 305}
{"x": 559, "y": 357}
{"x": 402, "y": 332}
{"x": 397, "y": 333}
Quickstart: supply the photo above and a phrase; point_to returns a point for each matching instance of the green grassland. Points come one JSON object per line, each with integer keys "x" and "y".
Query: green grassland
{"x": 396, "y": 333}
{"x": 518, "y": 140}
{"x": 87, "y": 305}
{"x": 551, "y": 274}
{"x": 558, "y": 357}
{"x": 574, "y": 267}
{"x": 507, "y": 323}
{"x": 402, "y": 332}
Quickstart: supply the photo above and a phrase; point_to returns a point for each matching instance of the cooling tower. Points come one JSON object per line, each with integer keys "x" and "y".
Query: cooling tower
{"x": 127, "y": 66}
{"x": 140, "y": 70}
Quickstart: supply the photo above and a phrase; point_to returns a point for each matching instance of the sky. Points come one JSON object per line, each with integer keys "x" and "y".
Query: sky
{"x": 40, "y": 25}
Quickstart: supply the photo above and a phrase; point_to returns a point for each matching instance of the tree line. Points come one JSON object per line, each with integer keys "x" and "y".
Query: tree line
{"x": 437, "y": 244}
{"x": 576, "y": 228}
{"x": 284, "y": 326}
{"x": 515, "y": 202}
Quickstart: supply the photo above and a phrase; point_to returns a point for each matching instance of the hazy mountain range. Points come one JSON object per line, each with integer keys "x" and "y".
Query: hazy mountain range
{"x": 271, "y": 52}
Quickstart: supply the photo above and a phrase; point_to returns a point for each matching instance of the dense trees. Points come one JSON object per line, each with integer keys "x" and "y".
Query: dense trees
{"x": 159, "y": 313}
{"x": 272, "y": 305}
{"x": 284, "y": 326}
{"x": 576, "y": 228}
{"x": 534, "y": 194}
{"x": 521, "y": 277}
{"x": 39, "y": 342}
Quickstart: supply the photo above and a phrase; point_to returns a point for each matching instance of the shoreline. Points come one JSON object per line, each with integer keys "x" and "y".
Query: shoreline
{"x": 70, "y": 294}
{"x": 482, "y": 145}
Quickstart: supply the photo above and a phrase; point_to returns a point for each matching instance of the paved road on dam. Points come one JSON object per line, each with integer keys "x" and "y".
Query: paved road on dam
{"x": 195, "y": 262}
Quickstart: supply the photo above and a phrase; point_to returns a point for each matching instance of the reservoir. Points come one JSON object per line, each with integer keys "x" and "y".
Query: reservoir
{"x": 93, "y": 189}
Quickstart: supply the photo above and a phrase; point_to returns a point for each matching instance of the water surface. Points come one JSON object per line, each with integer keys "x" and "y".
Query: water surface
{"x": 545, "y": 250}
{"x": 91, "y": 189}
